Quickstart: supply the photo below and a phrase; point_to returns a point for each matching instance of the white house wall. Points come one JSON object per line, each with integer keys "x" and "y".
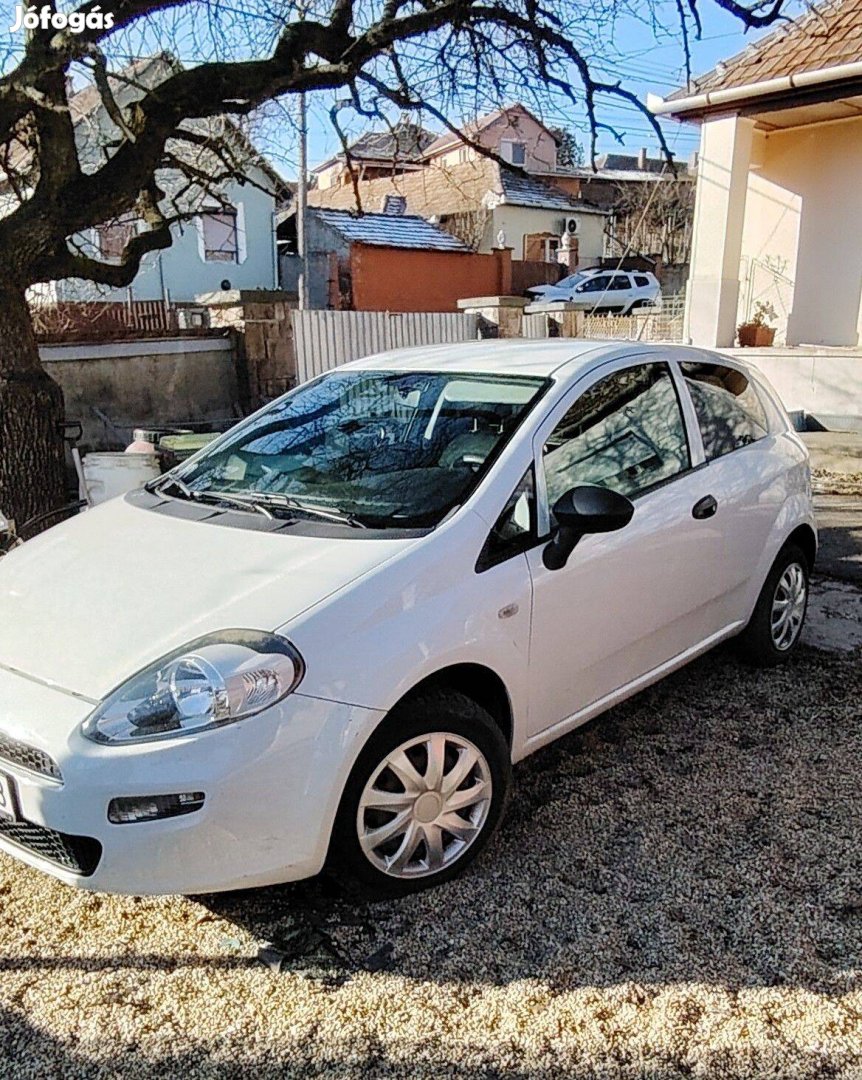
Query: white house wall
{"x": 520, "y": 221}
{"x": 802, "y": 236}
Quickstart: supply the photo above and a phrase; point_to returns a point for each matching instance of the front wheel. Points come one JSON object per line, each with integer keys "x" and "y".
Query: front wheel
{"x": 773, "y": 633}
{"x": 424, "y": 797}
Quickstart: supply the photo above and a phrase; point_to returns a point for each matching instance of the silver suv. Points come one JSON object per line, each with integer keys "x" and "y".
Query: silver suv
{"x": 617, "y": 292}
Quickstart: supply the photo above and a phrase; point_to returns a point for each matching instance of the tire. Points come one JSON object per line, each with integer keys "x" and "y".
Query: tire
{"x": 760, "y": 643}
{"x": 452, "y": 727}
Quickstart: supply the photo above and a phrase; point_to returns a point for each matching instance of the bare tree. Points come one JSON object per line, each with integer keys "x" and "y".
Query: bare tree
{"x": 410, "y": 53}
{"x": 655, "y": 218}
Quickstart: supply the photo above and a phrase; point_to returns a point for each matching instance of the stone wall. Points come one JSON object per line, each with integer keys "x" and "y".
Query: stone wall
{"x": 261, "y": 320}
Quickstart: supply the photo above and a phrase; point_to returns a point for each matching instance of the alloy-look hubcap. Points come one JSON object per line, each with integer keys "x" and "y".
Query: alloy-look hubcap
{"x": 788, "y": 606}
{"x": 424, "y": 805}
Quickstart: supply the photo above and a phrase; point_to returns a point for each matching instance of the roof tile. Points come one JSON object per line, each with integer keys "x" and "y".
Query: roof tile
{"x": 826, "y": 36}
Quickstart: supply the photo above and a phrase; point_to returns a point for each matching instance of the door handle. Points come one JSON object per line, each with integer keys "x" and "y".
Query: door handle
{"x": 704, "y": 508}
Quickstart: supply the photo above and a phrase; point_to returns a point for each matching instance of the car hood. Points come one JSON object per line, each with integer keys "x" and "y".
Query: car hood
{"x": 95, "y": 599}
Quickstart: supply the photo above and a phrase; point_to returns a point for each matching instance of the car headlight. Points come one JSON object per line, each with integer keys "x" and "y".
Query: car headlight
{"x": 212, "y": 681}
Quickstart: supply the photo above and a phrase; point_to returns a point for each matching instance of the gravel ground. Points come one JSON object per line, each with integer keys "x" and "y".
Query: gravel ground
{"x": 677, "y": 891}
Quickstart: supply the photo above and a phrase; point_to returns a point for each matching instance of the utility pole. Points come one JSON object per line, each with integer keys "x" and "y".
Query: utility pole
{"x": 302, "y": 203}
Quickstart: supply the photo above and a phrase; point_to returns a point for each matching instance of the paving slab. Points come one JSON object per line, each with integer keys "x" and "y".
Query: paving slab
{"x": 835, "y": 451}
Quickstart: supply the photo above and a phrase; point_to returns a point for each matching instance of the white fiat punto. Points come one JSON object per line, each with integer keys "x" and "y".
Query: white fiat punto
{"x": 325, "y": 639}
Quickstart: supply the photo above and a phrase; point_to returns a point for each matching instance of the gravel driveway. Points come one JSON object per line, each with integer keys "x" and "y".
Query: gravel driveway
{"x": 677, "y": 892}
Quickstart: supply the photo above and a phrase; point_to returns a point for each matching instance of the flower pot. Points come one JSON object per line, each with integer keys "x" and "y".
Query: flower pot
{"x": 752, "y": 335}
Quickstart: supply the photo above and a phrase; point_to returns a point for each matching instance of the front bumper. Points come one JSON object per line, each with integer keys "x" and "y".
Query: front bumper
{"x": 272, "y": 785}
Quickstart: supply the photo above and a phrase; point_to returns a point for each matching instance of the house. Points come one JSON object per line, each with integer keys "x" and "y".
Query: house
{"x": 487, "y": 204}
{"x": 387, "y": 262}
{"x": 513, "y": 132}
{"x": 376, "y": 153}
{"x": 778, "y": 214}
{"x": 227, "y": 236}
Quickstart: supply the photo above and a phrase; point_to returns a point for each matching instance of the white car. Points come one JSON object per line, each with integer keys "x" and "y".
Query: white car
{"x": 610, "y": 292}
{"x": 325, "y": 639}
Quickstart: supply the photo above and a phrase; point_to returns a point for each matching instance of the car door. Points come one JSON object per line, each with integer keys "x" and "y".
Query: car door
{"x": 626, "y": 602}
{"x": 744, "y": 473}
{"x": 621, "y": 293}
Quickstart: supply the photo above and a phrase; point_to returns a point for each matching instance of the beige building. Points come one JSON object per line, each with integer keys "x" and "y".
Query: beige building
{"x": 484, "y": 204}
{"x": 778, "y": 213}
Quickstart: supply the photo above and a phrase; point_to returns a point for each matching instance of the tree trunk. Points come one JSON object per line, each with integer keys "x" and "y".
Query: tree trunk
{"x": 32, "y": 453}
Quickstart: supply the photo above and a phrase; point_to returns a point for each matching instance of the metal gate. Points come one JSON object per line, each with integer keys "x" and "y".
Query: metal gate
{"x": 326, "y": 339}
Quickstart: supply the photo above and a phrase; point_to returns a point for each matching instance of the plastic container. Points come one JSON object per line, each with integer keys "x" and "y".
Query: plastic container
{"x": 110, "y": 474}
{"x": 177, "y": 448}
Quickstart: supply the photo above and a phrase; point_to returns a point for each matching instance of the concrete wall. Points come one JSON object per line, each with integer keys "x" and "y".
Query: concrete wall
{"x": 181, "y": 270}
{"x": 827, "y": 384}
{"x": 802, "y": 236}
{"x": 398, "y": 279}
{"x": 143, "y": 383}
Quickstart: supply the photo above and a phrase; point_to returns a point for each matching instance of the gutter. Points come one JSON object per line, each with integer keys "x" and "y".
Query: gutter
{"x": 714, "y": 98}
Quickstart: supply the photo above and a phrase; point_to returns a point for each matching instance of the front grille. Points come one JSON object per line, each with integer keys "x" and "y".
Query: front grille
{"x": 78, "y": 854}
{"x": 28, "y": 757}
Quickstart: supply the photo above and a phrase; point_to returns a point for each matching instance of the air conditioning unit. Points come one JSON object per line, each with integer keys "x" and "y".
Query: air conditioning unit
{"x": 570, "y": 226}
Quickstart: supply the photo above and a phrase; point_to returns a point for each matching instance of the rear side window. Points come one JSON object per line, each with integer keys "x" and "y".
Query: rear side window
{"x": 728, "y": 408}
{"x": 625, "y": 433}
{"x": 641, "y": 281}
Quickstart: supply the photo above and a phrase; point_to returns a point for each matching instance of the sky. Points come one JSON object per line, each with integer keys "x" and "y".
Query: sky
{"x": 646, "y": 57}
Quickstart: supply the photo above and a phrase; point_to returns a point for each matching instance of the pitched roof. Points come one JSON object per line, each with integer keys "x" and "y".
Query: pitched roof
{"x": 453, "y": 189}
{"x": 826, "y": 36}
{"x": 404, "y": 143}
{"x": 474, "y": 127}
{"x": 390, "y": 230}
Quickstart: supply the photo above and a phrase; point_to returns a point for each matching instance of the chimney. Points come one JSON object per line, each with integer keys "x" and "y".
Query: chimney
{"x": 642, "y": 159}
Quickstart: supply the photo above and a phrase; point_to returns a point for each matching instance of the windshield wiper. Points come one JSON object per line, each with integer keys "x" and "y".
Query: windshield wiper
{"x": 168, "y": 480}
{"x": 291, "y": 503}
{"x": 207, "y": 496}
{"x": 239, "y": 501}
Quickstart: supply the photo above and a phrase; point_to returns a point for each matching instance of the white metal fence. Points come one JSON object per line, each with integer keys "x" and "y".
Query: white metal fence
{"x": 327, "y": 339}
{"x": 664, "y": 323}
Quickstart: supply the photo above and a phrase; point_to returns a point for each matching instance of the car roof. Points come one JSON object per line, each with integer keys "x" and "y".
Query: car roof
{"x": 565, "y": 359}
{"x": 492, "y": 357}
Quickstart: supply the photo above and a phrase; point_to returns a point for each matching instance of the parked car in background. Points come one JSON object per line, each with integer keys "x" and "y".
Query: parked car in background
{"x": 325, "y": 639}
{"x": 616, "y": 292}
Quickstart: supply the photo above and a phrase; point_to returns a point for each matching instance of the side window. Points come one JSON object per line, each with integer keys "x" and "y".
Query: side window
{"x": 515, "y": 529}
{"x": 619, "y": 282}
{"x": 641, "y": 281}
{"x": 728, "y": 409}
{"x": 596, "y": 284}
{"x": 625, "y": 433}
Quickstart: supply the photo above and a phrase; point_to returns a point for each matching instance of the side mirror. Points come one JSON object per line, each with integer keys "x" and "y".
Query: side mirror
{"x": 581, "y": 511}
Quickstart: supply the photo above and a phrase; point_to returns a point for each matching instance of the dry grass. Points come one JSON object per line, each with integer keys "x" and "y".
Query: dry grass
{"x": 677, "y": 892}
{"x": 825, "y": 482}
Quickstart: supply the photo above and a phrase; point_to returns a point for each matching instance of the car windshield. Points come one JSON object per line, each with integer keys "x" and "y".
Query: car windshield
{"x": 373, "y": 448}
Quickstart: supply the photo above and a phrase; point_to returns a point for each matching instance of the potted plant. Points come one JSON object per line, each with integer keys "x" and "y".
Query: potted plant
{"x": 756, "y": 332}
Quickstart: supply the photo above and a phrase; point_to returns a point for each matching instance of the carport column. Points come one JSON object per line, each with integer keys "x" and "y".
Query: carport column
{"x": 719, "y": 214}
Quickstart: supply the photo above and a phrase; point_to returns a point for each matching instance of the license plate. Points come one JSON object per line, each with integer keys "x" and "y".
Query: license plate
{"x": 8, "y": 799}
